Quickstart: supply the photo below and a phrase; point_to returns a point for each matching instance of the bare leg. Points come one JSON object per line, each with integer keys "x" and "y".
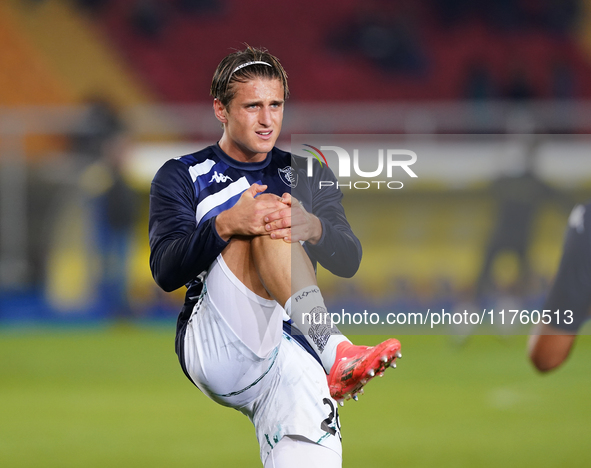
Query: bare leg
{"x": 549, "y": 347}
{"x": 283, "y": 268}
{"x": 273, "y": 268}
{"x": 238, "y": 257}
{"x": 265, "y": 266}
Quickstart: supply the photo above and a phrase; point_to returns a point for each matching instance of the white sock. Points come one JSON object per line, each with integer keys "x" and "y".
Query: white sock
{"x": 307, "y": 310}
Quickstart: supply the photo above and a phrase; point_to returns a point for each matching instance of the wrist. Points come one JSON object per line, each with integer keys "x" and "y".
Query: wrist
{"x": 222, "y": 227}
{"x": 316, "y": 231}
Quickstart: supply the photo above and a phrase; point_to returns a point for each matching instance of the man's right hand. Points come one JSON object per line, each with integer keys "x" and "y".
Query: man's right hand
{"x": 246, "y": 217}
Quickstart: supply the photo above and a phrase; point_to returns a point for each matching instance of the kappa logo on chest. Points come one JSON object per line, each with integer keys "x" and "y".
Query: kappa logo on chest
{"x": 220, "y": 178}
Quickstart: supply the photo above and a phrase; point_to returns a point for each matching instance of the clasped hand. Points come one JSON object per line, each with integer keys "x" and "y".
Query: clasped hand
{"x": 257, "y": 213}
{"x": 293, "y": 223}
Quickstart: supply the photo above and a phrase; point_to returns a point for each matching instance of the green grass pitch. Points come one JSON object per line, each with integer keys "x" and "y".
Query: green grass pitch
{"x": 115, "y": 396}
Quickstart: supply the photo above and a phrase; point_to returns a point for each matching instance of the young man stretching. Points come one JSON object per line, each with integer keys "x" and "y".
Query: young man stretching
{"x": 223, "y": 223}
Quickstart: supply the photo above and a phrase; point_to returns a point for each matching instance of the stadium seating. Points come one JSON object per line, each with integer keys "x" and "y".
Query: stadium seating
{"x": 174, "y": 59}
{"x": 25, "y": 78}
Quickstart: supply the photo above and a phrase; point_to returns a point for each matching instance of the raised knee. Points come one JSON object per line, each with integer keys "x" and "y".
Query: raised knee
{"x": 266, "y": 242}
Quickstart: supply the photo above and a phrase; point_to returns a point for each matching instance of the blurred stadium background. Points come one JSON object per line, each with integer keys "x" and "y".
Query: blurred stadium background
{"x": 96, "y": 94}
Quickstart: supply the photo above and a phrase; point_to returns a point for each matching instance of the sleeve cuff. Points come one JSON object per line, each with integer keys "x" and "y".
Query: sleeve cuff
{"x": 322, "y": 236}
{"x": 215, "y": 232}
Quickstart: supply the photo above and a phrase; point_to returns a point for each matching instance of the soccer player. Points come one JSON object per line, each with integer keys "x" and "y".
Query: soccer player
{"x": 569, "y": 300}
{"x": 224, "y": 223}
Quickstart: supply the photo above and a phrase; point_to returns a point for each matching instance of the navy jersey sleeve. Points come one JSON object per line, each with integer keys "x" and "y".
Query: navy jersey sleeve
{"x": 180, "y": 249}
{"x": 572, "y": 286}
{"x": 338, "y": 250}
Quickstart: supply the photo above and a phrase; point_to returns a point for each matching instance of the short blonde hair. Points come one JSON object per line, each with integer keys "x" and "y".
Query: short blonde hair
{"x": 227, "y": 73}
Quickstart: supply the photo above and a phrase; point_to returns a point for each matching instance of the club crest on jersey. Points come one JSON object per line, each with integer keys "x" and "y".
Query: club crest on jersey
{"x": 288, "y": 176}
{"x": 220, "y": 178}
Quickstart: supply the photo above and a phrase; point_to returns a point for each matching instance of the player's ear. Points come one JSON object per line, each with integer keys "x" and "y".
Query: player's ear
{"x": 220, "y": 111}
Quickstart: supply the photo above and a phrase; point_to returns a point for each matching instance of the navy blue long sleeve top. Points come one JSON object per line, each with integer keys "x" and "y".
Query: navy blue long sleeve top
{"x": 188, "y": 193}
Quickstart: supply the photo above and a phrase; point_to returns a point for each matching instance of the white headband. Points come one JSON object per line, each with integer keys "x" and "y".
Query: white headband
{"x": 249, "y": 63}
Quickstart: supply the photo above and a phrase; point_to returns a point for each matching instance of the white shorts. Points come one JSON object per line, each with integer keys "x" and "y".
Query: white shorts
{"x": 283, "y": 392}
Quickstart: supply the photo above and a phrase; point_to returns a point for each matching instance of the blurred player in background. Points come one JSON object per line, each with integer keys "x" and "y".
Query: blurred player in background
{"x": 518, "y": 196}
{"x": 223, "y": 222}
{"x": 551, "y": 342}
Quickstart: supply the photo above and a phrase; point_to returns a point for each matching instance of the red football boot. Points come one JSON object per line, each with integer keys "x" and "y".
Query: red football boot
{"x": 356, "y": 365}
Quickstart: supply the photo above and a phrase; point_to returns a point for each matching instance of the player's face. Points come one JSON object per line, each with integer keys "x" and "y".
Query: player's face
{"x": 252, "y": 121}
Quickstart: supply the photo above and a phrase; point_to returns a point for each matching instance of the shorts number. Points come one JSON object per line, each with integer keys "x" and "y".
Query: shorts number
{"x": 332, "y": 424}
